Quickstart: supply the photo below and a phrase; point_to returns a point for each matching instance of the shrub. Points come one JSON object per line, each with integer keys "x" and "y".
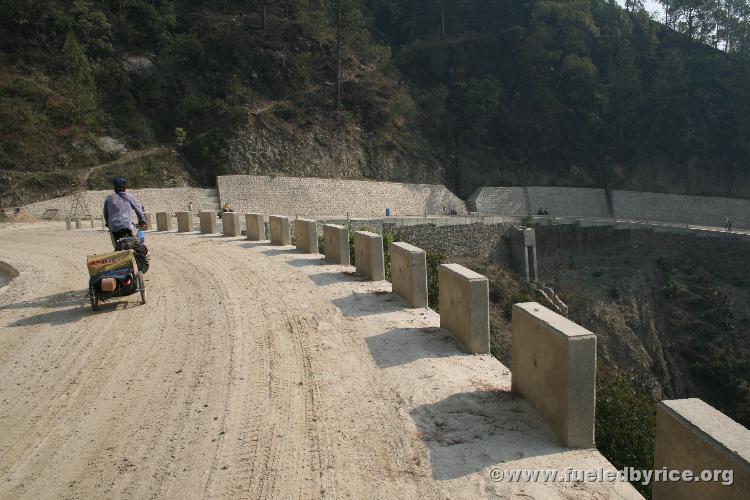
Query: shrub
{"x": 625, "y": 424}
{"x": 433, "y": 284}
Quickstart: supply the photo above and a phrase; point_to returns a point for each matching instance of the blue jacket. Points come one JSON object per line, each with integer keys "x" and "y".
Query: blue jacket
{"x": 117, "y": 208}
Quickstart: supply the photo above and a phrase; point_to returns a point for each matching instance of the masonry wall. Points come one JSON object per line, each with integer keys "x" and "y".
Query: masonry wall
{"x": 697, "y": 210}
{"x": 557, "y": 201}
{"x": 568, "y": 202}
{"x": 155, "y": 200}
{"x": 470, "y": 240}
{"x": 499, "y": 200}
{"x": 629, "y": 205}
{"x": 311, "y": 197}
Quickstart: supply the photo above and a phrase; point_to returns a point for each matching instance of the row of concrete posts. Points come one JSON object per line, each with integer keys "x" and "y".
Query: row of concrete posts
{"x": 554, "y": 359}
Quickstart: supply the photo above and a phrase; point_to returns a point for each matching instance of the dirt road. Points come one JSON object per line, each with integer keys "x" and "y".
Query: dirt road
{"x": 251, "y": 372}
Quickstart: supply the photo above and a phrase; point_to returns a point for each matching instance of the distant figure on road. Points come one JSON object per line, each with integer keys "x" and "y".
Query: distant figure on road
{"x": 190, "y": 206}
{"x": 728, "y": 224}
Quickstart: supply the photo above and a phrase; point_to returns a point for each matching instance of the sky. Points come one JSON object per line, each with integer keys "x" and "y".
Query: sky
{"x": 652, "y": 6}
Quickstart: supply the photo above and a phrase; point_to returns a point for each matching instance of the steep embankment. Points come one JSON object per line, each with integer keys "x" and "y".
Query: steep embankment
{"x": 673, "y": 308}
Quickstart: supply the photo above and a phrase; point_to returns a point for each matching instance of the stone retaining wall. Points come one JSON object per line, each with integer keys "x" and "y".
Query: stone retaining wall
{"x": 471, "y": 240}
{"x": 155, "y": 200}
{"x": 522, "y": 201}
{"x": 626, "y": 205}
{"x": 311, "y": 197}
{"x": 697, "y": 210}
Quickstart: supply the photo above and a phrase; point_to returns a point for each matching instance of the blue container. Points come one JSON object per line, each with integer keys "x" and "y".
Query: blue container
{"x": 388, "y": 212}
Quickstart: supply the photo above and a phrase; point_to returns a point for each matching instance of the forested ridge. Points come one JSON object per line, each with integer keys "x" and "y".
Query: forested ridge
{"x": 473, "y": 92}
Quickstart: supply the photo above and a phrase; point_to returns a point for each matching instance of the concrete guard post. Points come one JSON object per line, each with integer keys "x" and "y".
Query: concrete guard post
{"x": 336, "y": 244}
{"x": 692, "y": 435}
{"x": 554, "y": 369}
{"x": 409, "y": 273}
{"x": 523, "y": 252}
{"x": 149, "y": 221}
{"x": 184, "y": 222}
{"x": 231, "y": 223}
{"x": 279, "y": 226}
{"x": 306, "y": 234}
{"x": 163, "y": 221}
{"x": 368, "y": 255}
{"x": 208, "y": 222}
{"x": 256, "y": 227}
{"x": 464, "y": 307}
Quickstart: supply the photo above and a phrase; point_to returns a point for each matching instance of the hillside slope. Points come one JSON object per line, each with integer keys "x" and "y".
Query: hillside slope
{"x": 474, "y": 93}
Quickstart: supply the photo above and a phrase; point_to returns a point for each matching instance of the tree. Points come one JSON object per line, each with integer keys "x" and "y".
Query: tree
{"x": 78, "y": 83}
{"x": 338, "y": 53}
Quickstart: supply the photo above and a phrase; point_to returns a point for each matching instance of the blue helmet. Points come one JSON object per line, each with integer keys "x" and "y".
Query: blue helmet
{"x": 120, "y": 183}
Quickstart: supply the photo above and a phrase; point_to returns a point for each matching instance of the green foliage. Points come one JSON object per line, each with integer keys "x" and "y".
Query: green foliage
{"x": 321, "y": 244}
{"x": 504, "y": 82}
{"x": 387, "y": 240}
{"x": 625, "y": 424}
{"x": 80, "y": 102}
{"x": 433, "y": 284}
{"x": 179, "y": 136}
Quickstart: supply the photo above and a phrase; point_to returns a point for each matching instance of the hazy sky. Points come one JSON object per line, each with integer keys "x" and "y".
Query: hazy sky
{"x": 652, "y": 6}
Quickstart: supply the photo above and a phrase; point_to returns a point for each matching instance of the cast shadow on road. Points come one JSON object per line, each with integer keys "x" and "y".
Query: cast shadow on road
{"x": 369, "y": 303}
{"x": 61, "y": 299}
{"x": 330, "y": 277}
{"x": 470, "y": 431}
{"x": 306, "y": 261}
{"x": 401, "y": 346}
{"x": 255, "y": 244}
{"x": 278, "y": 251}
{"x": 72, "y": 315}
{"x": 63, "y": 315}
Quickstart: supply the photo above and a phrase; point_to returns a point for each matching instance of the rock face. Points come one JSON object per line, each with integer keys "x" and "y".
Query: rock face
{"x": 319, "y": 152}
{"x": 110, "y": 145}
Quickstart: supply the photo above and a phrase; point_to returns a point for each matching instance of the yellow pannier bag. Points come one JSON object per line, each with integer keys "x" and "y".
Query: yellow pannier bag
{"x": 103, "y": 262}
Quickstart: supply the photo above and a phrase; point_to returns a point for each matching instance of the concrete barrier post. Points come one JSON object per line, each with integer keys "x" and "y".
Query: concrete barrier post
{"x": 184, "y": 222}
{"x": 102, "y": 221}
{"x": 409, "y": 273}
{"x": 306, "y": 233}
{"x": 231, "y": 223}
{"x": 256, "y": 227}
{"x": 78, "y": 223}
{"x": 68, "y": 224}
{"x": 149, "y": 221}
{"x": 554, "y": 369}
{"x": 368, "y": 255}
{"x": 92, "y": 223}
{"x": 336, "y": 244}
{"x": 163, "y": 221}
{"x": 207, "y": 222}
{"x": 464, "y": 307}
{"x": 692, "y": 435}
{"x": 279, "y": 227}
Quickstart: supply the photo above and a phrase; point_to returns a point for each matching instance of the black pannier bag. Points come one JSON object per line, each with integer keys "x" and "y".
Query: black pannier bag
{"x": 142, "y": 258}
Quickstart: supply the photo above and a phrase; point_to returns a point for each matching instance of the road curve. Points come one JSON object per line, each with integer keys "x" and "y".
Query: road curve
{"x": 247, "y": 374}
